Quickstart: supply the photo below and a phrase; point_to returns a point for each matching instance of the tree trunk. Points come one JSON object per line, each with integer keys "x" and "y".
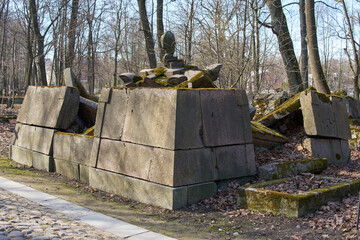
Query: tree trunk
{"x": 160, "y": 26}
{"x": 311, "y": 38}
{"x": 39, "y": 41}
{"x": 304, "y": 63}
{"x": 30, "y": 57}
{"x": 70, "y": 53}
{"x": 280, "y": 28}
{"x": 149, "y": 41}
{"x": 356, "y": 69}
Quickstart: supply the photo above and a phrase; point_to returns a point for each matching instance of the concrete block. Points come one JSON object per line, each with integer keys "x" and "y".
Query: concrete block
{"x": 165, "y": 118}
{"x": 73, "y": 147}
{"x": 172, "y": 168}
{"x": 52, "y": 107}
{"x": 84, "y": 173}
{"x": 201, "y": 191}
{"x": 235, "y": 161}
{"x": 106, "y": 181}
{"x": 226, "y": 119}
{"x": 94, "y": 152}
{"x": 318, "y": 115}
{"x": 67, "y": 168}
{"x": 352, "y": 107}
{"x": 87, "y": 111}
{"x": 38, "y": 139}
{"x": 155, "y": 194}
{"x": 32, "y": 159}
{"x": 111, "y": 116}
{"x": 336, "y": 151}
{"x": 341, "y": 118}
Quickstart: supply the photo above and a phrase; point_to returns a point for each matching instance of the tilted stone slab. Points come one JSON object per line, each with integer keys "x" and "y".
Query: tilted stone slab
{"x": 172, "y": 168}
{"x": 264, "y": 136}
{"x": 226, "y": 119}
{"x": 283, "y": 169}
{"x": 52, "y": 107}
{"x": 336, "y": 151}
{"x": 34, "y": 138}
{"x": 110, "y": 117}
{"x": 235, "y": 161}
{"x": 165, "y": 118}
{"x": 341, "y": 118}
{"x": 73, "y": 147}
{"x": 32, "y": 159}
{"x": 324, "y": 116}
{"x": 352, "y": 107}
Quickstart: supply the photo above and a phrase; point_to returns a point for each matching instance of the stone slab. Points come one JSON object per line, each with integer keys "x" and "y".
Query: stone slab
{"x": 201, "y": 191}
{"x": 336, "y": 151}
{"x": 87, "y": 111}
{"x": 226, "y": 119}
{"x": 172, "y": 168}
{"x": 34, "y": 138}
{"x": 283, "y": 169}
{"x": 255, "y": 197}
{"x": 165, "y": 118}
{"x": 84, "y": 173}
{"x": 341, "y": 118}
{"x": 235, "y": 161}
{"x": 73, "y": 147}
{"x": 111, "y": 115}
{"x": 67, "y": 168}
{"x": 31, "y": 158}
{"x": 52, "y": 107}
{"x": 318, "y": 115}
{"x": 139, "y": 190}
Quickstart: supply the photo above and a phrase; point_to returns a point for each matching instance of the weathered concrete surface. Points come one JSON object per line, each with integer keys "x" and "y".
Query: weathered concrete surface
{"x": 31, "y": 158}
{"x": 34, "y": 138}
{"x": 172, "y": 168}
{"x": 226, "y": 119}
{"x": 352, "y": 107}
{"x": 341, "y": 118}
{"x": 139, "y": 190}
{"x": 283, "y": 169}
{"x": 166, "y": 118}
{"x": 84, "y": 173}
{"x": 67, "y": 168}
{"x": 111, "y": 114}
{"x": 235, "y": 161}
{"x": 52, "y": 107}
{"x": 336, "y": 151}
{"x": 318, "y": 115}
{"x": 200, "y": 191}
{"x": 73, "y": 147}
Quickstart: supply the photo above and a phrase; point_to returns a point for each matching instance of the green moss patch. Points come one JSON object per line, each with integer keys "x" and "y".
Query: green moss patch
{"x": 256, "y": 198}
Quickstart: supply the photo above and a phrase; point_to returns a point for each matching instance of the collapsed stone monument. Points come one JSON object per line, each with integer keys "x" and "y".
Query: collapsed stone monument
{"x": 166, "y": 147}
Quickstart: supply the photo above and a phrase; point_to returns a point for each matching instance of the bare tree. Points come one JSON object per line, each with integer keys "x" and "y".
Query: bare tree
{"x": 70, "y": 53}
{"x": 304, "y": 52}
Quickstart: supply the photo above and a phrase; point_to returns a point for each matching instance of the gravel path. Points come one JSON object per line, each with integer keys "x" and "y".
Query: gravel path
{"x": 22, "y": 219}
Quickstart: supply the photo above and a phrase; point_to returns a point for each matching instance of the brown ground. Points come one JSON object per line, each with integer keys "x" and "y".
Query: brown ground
{"x": 214, "y": 218}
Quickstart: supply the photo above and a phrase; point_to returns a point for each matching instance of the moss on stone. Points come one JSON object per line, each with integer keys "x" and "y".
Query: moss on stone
{"x": 158, "y": 71}
{"x": 89, "y": 130}
{"x": 257, "y": 127}
{"x": 74, "y": 134}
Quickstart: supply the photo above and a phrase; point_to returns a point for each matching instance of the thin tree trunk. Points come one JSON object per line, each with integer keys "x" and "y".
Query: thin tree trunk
{"x": 39, "y": 41}
{"x": 149, "y": 41}
{"x": 315, "y": 64}
{"x": 304, "y": 63}
{"x": 70, "y": 52}
{"x": 160, "y": 26}
{"x": 286, "y": 47}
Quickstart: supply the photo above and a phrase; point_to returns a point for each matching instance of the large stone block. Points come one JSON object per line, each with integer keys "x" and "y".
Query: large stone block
{"x": 38, "y": 139}
{"x": 341, "y": 118}
{"x": 106, "y": 181}
{"x": 226, "y": 119}
{"x": 32, "y": 159}
{"x": 165, "y": 118}
{"x": 235, "y": 161}
{"x": 172, "y": 168}
{"x": 200, "y": 191}
{"x": 87, "y": 111}
{"x": 336, "y": 151}
{"x": 318, "y": 115}
{"x": 52, "y": 107}
{"x": 67, "y": 168}
{"x": 111, "y": 114}
{"x": 73, "y": 147}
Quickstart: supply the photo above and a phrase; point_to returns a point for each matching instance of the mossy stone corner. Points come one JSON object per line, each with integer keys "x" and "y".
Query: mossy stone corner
{"x": 256, "y": 198}
{"x": 283, "y": 169}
